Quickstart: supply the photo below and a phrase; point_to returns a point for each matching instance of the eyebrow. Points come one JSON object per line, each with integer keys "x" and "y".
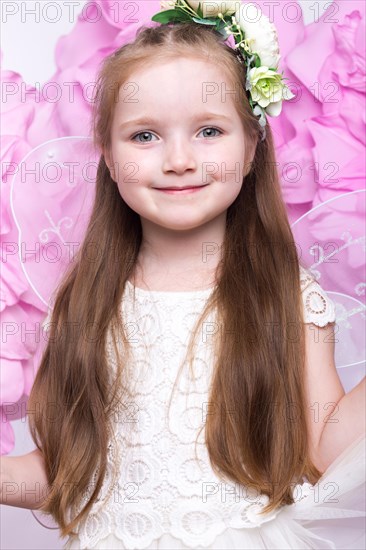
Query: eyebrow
{"x": 146, "y": 120}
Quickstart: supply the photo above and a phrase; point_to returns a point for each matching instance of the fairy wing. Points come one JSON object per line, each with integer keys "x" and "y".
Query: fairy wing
{"x": 331, "y": 243}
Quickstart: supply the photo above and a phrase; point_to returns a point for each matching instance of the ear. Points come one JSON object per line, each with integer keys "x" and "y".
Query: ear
{"x": 108, "y": 157}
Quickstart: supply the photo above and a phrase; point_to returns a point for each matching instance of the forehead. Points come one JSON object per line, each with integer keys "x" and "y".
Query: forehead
{"x": 180, "y": 84}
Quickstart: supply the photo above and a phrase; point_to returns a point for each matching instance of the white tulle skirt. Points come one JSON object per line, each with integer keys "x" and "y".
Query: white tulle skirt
{"x": 330, "y": 514}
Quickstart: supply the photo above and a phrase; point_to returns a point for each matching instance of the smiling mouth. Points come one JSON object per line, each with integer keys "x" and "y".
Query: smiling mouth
{"x": 180, "y": 190}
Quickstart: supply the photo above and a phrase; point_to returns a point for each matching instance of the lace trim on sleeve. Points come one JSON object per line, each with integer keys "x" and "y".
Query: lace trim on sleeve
{"x": 319, "y": 309}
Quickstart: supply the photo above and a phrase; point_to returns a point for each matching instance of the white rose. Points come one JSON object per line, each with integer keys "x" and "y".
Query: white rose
{"x": 266, "y": 89}
{"x": 211, "y": 8}
{"x": 260, "y": 34}
{"x": 167, "y": 5}
{"x": 274, "y": 109}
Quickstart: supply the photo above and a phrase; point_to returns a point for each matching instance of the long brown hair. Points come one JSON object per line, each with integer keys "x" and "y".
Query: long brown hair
{"x": 259, "y": 364}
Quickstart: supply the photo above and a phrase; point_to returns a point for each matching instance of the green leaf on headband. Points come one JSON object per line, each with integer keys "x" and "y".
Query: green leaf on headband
{"x": 223, "y": 32}
{"x": 220, "y": 26}
{"x": 204, "y": 21}
{"x": 257, "y": 61}
{"x": 170, "y": 15}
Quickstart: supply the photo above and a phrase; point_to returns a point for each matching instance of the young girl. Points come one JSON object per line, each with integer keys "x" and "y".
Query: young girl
{"x": 187, "y": 396}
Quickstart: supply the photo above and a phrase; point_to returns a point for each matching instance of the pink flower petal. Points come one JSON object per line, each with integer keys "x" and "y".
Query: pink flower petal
{"x": 11, "y": 381}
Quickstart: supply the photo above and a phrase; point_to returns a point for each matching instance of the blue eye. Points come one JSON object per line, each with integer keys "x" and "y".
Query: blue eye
{"x": 211, "y": 128}
{"x": 141, "y": 134}
{"x": 149, "y": 141}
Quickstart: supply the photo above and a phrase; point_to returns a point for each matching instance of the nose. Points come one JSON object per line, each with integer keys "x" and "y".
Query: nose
{"x": 179, "y": 156}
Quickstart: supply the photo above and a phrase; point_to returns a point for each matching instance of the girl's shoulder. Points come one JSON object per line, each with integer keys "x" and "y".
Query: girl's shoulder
{"x": 319, "y": 308}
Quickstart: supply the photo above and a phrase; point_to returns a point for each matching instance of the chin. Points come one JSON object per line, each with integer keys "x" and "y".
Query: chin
{"x": 179, "y": 226}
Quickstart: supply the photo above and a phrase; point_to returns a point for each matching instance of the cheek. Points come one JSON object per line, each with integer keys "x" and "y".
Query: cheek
{"x": 132, "y": 183}
{"x": 127, "y": 166}
{"x": 138, "y": 163}
{"x": 131, "y": 196}
{"x": 231, "y": 174}
{"x": 231, "y": 168}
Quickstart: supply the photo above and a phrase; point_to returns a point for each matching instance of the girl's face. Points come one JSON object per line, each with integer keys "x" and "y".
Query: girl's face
{"x": 188, "y": 135}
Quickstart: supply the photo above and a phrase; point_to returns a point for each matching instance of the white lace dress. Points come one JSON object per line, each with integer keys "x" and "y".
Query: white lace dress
{"x": 164, "y": 497}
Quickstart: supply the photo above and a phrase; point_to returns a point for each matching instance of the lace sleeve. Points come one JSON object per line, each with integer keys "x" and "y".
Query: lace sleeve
{"x": 318, "y": 307}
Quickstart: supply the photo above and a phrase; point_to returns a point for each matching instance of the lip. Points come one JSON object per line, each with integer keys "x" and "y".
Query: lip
{"x": 181, "y": 191}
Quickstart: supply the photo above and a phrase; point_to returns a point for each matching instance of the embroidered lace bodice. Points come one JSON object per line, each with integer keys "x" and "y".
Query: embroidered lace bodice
{"x": 161, "y": 487}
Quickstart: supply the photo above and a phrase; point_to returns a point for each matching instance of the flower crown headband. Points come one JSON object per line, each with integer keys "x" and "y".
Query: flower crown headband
{"x": 256, "y": 44}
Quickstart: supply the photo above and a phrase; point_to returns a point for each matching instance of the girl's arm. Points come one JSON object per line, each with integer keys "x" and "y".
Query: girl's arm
{"x": 350, "y": 413}
{"x": 23, "y": 480}
{"x": 336, "y": 419}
